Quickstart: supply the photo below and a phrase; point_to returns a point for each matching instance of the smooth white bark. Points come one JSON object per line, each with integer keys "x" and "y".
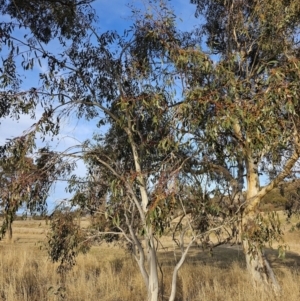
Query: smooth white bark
{"x": 176, "y": 269}
{"x": 153, "y": 275}
{"x": 257, "y": 264}
{"x": 260, "y": 269}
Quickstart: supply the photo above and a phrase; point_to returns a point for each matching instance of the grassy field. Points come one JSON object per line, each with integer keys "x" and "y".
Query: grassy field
{"x": 108, "y": 273}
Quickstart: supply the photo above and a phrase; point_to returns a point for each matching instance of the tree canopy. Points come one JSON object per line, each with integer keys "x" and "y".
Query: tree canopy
{"x": 249, "y": 101}
{"x": 47, "y": 19}
{"x": 42, "y": 21}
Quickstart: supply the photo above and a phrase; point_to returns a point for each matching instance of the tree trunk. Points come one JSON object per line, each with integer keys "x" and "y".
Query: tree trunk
{"x": 256, "y": 261}
{"x": 176, "y": 269}
{"x": 257, "y": 264}
{"x": 260, "y": 269}
{"x": 153, "y": 274}
{"x": 9, "y": 229}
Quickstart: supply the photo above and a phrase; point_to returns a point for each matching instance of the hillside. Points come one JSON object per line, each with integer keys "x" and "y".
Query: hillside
{"x": 279, "y": 198}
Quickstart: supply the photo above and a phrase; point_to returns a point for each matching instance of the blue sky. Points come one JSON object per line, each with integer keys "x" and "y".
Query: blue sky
{"x": 113, "y": 15}
{"x": 116, "y": 13}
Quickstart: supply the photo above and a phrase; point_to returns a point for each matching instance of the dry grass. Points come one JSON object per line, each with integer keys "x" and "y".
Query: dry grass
{"x": 109, "y": 274}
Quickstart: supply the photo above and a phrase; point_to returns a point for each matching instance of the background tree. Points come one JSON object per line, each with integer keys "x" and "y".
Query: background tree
{"x": 245, "y": 107}
{"x": 25, "y": 184}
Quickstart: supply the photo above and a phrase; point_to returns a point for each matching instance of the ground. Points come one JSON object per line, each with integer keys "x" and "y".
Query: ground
{"x": 108, "y": 273}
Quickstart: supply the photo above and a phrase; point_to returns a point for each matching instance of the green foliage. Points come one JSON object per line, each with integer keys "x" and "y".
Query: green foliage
{"x": 26, "y": 181}
{"x": 263, "y": 230}
{"x": 50, "y": 18}
{"x": 66, "y": 239}
{"x": 42, "y": 21}
{"x": 253, "y": 79}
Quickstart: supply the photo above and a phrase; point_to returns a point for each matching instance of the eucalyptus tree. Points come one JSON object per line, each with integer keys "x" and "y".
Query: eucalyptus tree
{"x": 128, "y": 84}
{"x": 125, "y": 83}
{"x": 178, "y": 204}
{"x": 242, "y": 99}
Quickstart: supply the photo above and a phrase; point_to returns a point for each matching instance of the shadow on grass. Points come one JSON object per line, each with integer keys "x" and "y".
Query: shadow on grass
{"x": 224, "y": 256}
{"x": 291, "y": 259}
